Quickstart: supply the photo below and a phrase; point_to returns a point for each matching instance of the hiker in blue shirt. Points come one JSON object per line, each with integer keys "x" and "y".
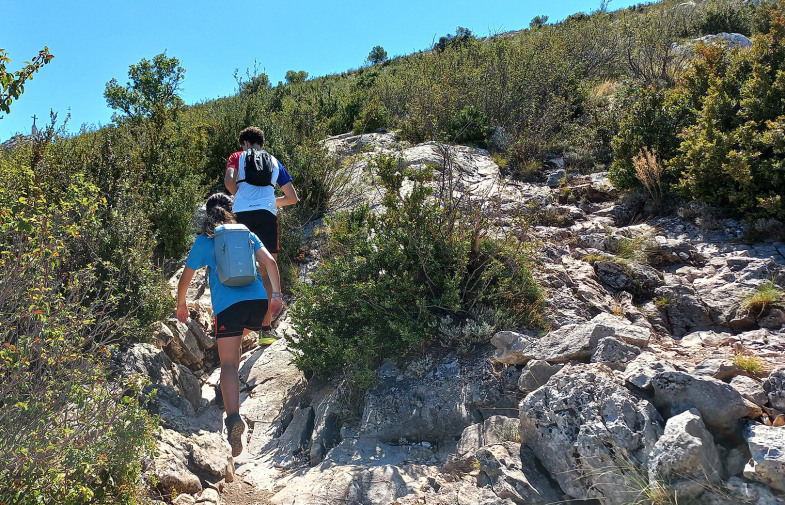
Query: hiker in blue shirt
{"x": 237, "y": 309}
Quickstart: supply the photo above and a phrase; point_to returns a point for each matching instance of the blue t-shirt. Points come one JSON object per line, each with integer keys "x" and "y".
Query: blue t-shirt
{"x": 221, "y": 296}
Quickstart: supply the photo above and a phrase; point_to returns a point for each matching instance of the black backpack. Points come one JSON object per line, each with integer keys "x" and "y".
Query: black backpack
{"x": 258, "y": 168}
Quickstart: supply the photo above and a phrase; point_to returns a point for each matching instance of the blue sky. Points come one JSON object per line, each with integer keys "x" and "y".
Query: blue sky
{"x": 95, "y": 41}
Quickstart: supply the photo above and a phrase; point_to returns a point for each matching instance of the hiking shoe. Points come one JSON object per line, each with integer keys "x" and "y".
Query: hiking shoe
{"x": 219, "y": 397}
{"x": 235, "y": 427}
{"x": 268, "y": 337}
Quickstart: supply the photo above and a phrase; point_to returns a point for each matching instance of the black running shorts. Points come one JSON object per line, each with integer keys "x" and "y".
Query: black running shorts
{"x": 264, "y": 224}
{"x": 231, "y": 321}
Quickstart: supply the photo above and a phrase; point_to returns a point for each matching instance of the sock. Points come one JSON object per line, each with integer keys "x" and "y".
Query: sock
{"x": 267, "y": 328}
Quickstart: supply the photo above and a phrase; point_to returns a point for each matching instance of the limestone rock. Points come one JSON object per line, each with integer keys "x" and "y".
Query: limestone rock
{"x": 463, "y": 492}
{"x": 511, "y": 347}
{"x": 171, "y": 473}
{"x": 767, "y": 447}
{"x": 494, "y": 430}
{"x": 735, "y": 278}
{"x": 210, "y": 454}
{"x": 739, "y": 490}
{"x": 774, "y": 386}
{"x": 184, "y": 347}
{"x": 572, "y": 342}
{"x": 750, "y": 389}
{"x": 773, "y": 319}
{"x": 640, "y": 279}
{"x": 731, "y": 39}
{"x": 430, "y": 401}
{"x": 571, "y": 421}
{"x": 685, "y": 456}
{"x": 267, "y": 407}
{"x": 184, "y": 499}
{"x": 148, "y": 360}
{"x": 535, "y": 374}
{"x": 644, "y": 368}
{"x": 683, "y": 307}
{"x": 376, "y": 485}
{"x": 719, "y": 368}
{"x": 614, "y": 353}
{"x": 502, "y": 470}
{"x": 720, "y": 406}
{"x": 297, "y": 435}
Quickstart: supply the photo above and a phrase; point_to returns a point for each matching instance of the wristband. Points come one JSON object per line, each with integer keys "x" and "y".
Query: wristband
{"x": 276, "y": 294}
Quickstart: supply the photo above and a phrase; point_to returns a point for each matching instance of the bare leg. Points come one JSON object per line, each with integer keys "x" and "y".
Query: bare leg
{"x": 229, "y": 353}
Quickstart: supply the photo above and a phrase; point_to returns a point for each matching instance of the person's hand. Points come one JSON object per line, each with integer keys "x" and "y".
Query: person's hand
{"x": 182, "y": 313}
{"x": 276, "y": 305}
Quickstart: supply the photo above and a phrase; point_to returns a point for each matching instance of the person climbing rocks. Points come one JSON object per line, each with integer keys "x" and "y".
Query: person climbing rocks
{"x": 237, "y": 309}
{"x": 255, "y": 202}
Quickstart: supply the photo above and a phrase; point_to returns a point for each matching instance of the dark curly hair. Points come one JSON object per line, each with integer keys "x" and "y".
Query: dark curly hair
{"x": 218, "y": 212}
{"x": 253, "y": 135}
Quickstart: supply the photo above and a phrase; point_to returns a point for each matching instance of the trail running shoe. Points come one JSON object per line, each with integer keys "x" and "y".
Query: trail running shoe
{"x": 268, "y": 337}
{"x": 235, "y": 427}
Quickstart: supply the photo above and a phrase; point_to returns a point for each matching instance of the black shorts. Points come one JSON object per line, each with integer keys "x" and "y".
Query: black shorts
{"x": 231, "y": 321}
{"x": 264, "y": 224}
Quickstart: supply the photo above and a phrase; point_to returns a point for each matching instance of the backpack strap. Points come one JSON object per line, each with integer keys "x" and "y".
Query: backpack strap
{"x": 245, "y": 165}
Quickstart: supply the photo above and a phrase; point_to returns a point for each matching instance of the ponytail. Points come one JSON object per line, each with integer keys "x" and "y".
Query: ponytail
{"x": 218, "y": 212}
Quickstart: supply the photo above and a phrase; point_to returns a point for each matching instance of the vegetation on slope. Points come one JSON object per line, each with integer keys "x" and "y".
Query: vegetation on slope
{"x": 90, "y": 222}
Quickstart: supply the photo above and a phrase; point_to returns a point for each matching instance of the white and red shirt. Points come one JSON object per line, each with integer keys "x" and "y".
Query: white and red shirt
{"x": 250, "y": 197}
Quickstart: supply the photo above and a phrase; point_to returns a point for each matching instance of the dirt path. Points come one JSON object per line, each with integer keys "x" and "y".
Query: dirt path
{"x": 242, "y": 493}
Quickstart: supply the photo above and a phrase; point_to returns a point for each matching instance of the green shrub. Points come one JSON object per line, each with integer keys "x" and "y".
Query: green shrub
{"x": 728, "y": 18}
{"x": 386, "y": 278}
{"x": 374, "y": 116}
{"x": 733, "y": 154}
{"x": 468, "y": 126}
{"x": 67, "y": 435}
{"x": 650, "y": 121}
{"x": 750, "y": 363}
{"x": 413, "y": 131}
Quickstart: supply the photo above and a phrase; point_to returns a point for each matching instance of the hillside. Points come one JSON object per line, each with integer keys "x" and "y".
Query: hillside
{"x": 524, "y": 269}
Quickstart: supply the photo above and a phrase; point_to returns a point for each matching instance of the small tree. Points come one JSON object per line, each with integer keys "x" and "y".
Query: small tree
{"x": 12, "y": 84}
{"x": 538, "y": 22}
{"x": 293, "y": 77}
{"x": 152, "y": 91}
{"x": 150, "y": 105}
{"x": 461, "y": 37}
{"x": 377, "y": 55}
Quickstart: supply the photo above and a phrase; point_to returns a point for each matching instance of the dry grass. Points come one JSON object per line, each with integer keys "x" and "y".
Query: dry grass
{"x": 751, "y": 364}
{"x": 764, "y": 296}
{"x": 649, "y": 171}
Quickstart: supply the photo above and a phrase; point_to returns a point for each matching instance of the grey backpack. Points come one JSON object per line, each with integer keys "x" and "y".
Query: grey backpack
{"x": 234, "y": 255}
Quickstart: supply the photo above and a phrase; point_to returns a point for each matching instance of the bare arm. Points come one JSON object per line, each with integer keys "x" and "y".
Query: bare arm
{"x": 289, "y": 196}
{"x": 264, "y": 257}
{"x": 182, "y": 289}
{"x": 230, "y": 180}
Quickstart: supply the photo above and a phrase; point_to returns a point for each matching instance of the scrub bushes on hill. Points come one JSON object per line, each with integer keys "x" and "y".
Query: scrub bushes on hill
{"x": 67, "y": 435}
{"x": 388, "y": 278}
{"x": 734, "y": 153}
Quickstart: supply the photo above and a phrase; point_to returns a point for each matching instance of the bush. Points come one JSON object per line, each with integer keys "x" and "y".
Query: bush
{"x": 374, "y": 116}
{"x": 468, "y": 126}
{"x": 732, "y": 155}
{"x": 728, "y": 18}
{"x": 66, "y": 434}
{"x": 652, "y": 122}
{"x": 387, "y": 278}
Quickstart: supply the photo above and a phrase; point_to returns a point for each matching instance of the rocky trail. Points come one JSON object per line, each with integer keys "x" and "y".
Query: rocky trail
{"x": 655, "y": 373}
